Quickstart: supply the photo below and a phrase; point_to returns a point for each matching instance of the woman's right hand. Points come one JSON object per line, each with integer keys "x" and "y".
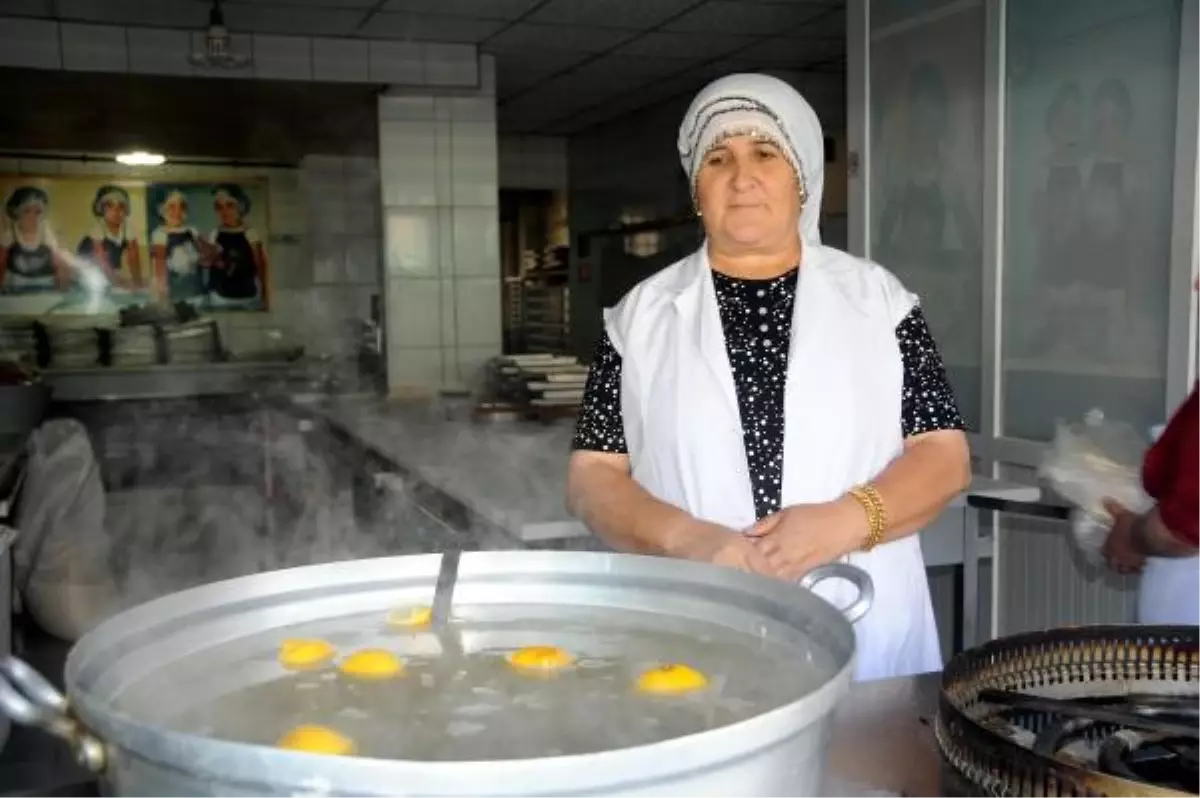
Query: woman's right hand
{"x": 702, "y": 541}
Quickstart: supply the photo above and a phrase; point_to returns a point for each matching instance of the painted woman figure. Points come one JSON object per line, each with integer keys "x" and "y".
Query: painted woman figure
{"x": 109, "y": 242}
{"x": 239, "y": 274}
{"x": 29, "y": 258}
{"x": 181, "y": 256}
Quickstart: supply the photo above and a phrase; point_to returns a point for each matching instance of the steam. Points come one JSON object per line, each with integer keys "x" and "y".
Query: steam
{"x": 263, "y": 489}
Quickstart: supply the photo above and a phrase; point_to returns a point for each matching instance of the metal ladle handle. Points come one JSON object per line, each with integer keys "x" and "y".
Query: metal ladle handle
{"x": 27, "y": 698}
{"x": 856, "y": 576}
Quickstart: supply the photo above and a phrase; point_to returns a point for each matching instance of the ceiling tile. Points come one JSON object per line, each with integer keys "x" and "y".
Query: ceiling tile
{"x": 518, "y": 72}
{"x": 430, "y": 28}
{"x": 27, "y": 8}
{"x": 610, "y": 13}
{"x": 629, "y": 68}
{"x": 726, "y": 16}
{"x": 148, "y": 13}
{"x": 684, "y": 46}
{"x": 790, "y": 52}
{"x": 485, "y": 9}
{"x": 525, "y": 38}
{"x": 297, "y": 21}
{"x": 329, "y": 4}
{"x": 832, "y": 23}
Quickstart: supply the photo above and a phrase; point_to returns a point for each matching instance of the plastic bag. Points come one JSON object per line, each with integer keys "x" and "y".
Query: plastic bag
{"x": 1092, "y": 461}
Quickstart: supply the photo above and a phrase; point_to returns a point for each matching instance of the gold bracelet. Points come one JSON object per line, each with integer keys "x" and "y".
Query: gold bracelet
{"x": 872, "y": 504}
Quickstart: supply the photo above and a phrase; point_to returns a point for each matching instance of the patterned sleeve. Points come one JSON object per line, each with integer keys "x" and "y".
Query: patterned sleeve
{"x": 600, "y": 427}
{"x": 928, "y": 402}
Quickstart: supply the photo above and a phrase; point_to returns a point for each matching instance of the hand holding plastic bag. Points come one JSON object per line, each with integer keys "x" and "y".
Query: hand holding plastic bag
{"x": 1093, "y": 461}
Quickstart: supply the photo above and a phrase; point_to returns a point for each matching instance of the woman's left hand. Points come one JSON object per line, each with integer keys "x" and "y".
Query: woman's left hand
{"x": 799, "y": 538}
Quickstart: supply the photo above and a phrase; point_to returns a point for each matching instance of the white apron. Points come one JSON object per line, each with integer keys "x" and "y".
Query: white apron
{"x": 841, "y": 428}
{"x": 1169, "y": 592}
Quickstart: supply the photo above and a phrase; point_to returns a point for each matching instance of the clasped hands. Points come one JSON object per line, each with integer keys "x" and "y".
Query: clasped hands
{"x": 785, "y": 545}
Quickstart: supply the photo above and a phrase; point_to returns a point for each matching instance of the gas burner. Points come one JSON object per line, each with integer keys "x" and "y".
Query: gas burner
{"x": 1093, "y": 711}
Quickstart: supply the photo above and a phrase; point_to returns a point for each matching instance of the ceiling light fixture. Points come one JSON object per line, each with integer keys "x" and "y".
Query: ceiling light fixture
{"x": 218, "y": 47}
{"x": 141, "y": 158}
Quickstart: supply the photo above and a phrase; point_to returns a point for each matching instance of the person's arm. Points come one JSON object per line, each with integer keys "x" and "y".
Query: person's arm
{"x": 600, "y": 490}
{"x": 1171, "y": 476}
{"x": 602, "y": 493}
{"x": 936, "y": 463}
{"x": 134, "y": 255}
{"x": 261, "y": 266}
{"x": 158, "y": 259}
{"x": 1153, "y": 538}
{"x": 934, "y": 467}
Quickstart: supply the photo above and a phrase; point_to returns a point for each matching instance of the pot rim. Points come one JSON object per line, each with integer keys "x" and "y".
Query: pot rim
{"x": 601, "y": 772}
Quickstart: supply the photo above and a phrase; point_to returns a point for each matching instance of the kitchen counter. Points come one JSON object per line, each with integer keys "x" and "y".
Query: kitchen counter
{"x": 882, "y": 741}
{"x": 512, "y": 474}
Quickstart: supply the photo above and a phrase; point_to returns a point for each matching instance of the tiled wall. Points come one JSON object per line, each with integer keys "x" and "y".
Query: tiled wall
{"x": 439, "y": 179}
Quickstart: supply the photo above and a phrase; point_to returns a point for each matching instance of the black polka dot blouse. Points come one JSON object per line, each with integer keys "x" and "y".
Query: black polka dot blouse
{"x": 756, "y": 316}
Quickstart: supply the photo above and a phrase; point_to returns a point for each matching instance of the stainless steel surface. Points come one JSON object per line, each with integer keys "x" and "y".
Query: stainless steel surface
{"x": 855, "y": 576}
{"x": 443, "y": 591}
{"x": 780, "y": 752}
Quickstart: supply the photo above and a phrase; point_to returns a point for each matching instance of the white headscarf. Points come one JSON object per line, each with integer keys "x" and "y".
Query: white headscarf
{"x": 763, "y": 106}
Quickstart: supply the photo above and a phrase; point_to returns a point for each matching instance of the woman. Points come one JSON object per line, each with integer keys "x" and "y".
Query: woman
{"x": 768, "y": 403}
{"x": 240, "y": 272}
{"x": 181, "y": 256}
{"x": 1163, "y": 540}
{"x": 29, "y": 257}
{"x": 109, "y": 243}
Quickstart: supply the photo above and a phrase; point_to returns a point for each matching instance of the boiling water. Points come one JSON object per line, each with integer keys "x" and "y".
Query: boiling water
{"x": 459, "y": 699}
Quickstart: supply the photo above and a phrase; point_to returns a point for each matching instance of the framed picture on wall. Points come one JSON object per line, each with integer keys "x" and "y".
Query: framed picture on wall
{"x": 92, "y": 245}
{"x": 208, "y": 243}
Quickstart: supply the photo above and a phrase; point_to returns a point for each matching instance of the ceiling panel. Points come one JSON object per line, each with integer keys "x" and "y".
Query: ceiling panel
{"x": 684, "y": 46}
{"x": 790, "y": 52}
{"x": 479, "y": 9}
{"x": 517, "y": 72}
{"x": 150, "y": 13}
{"x": 336, "y": 5}
{"x": 27, "y": 8}
{"x": 629, "y": 68}
{"x": 526, "y": 38}
{"x": 243, "y": 18}
{"x": 728, "y": 16}
{"x": 610, "y": 13}
{"x": 832, "y": 23}
{"x": 427, "y": 27}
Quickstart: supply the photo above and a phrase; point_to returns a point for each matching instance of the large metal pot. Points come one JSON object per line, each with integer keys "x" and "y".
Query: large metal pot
{"x": 779, "y": 752}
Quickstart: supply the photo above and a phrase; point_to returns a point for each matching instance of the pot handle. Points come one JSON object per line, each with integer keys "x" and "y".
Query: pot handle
{"x": 27, "y": 698}
{"x": 851, "y": 573}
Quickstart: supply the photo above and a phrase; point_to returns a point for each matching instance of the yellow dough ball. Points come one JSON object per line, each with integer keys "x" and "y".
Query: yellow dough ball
{"x": 540, "y": 659}
{"x": 372, "y": 663}
{"x": 672, "y": 680}
{"x": 411, "y": 617}
{"x": 317, "y": 740}
{"x": 302, "y": 654}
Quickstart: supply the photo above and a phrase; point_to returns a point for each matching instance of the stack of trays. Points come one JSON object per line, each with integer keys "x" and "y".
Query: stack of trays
{"x": 552, "y": 382}
{"x": 134, "y": 346}
{"x": 73, "y": 347}
{"x": 193, "y": 342}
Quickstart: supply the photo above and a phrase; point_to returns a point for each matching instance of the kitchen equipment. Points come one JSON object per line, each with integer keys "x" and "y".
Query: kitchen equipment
{"x": 778, "y": 752}
{"x": 1101, "y": 710}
